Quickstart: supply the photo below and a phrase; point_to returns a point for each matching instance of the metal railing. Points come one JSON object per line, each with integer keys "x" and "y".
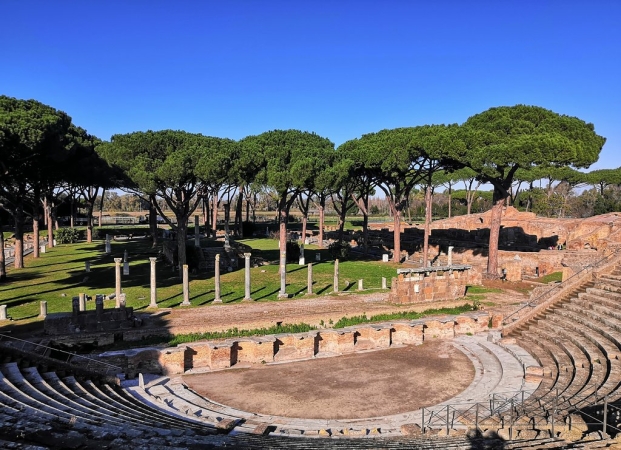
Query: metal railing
{"x": 573, "y": 281}
{"x": 91, "y": 364}
{"x": 513, "y": 413}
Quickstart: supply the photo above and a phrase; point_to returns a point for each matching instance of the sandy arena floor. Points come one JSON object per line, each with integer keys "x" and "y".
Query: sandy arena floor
{"x": 353, "y": 386}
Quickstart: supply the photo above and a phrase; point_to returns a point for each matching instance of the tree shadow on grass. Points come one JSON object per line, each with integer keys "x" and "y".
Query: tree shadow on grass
{"x": 268, "y": 295}
{"x": 296, "y": 269}
{"x": 304, "y": 289}
{"x": 321, "y": 291}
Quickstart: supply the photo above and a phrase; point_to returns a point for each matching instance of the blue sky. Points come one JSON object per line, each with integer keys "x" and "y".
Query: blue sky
{"x": 338, "y": 68}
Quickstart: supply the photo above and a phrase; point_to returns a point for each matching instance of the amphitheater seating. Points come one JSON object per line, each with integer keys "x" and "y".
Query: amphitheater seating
{"x": 577, "y": 343}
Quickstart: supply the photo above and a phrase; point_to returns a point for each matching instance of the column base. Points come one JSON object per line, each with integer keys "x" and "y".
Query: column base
{"x": 284, "y": 295}
{"x": 186, "y": 304}
{"x": 247, "y": 300}
{"x": 153, "y": 305}
{"x": 217, "y": 300}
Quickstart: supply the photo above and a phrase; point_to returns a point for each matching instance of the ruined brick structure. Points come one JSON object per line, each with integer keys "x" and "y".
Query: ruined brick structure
{"x": 216, "y": 355}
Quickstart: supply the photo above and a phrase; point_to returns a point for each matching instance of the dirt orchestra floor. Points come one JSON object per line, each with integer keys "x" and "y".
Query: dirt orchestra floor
{"x": 354, "y": 386}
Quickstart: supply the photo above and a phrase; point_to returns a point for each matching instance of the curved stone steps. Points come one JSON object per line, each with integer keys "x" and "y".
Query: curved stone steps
{"x": 596, "y": 357}
{"x": 567, "y": 372}
{"x": 59, "y": 386}
{"x": 603, "y": 339}
{"x": 35, "y": 405}
{"x": 507, "y": 377}
{"x": 550, "y": 369}
{"x": 608, "y": 315}
{"x": 121, "y": 397}
{"x": 31, "y": 375}
{"x": 139, "y": 415}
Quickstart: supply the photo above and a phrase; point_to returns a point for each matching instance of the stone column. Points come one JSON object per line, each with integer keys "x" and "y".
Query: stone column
{"x": 108, "y": 246}
{"x": 117, "y": 290}
{"x": 82, "y": 300}
{"x": 360, "y": 285}
{"x": 247, "y": 278}
{"x": 216, "y": 280}
{"x": 384, "y": 285}
{"x": 336, "y": 275}
{"x": 125, "y": 256}
{"x": 153, "y": 303}
{"x": 197, "y": 236}
{"x": 310, "y": 278}
{"x": 43, "y": 309}
{"x": 186, "y": 286}
{"x": 283, "y": 273}
{"x": 125, "y": 268}
{"x": 3, "y": 315}
{"x": 450, "y": 255}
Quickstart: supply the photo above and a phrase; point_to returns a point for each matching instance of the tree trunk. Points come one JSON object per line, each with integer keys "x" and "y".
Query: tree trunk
{"x": 72, "y": 215}
{"x": 238, "y": 214}
{"x": 494, "y": 233}
{"x": 450, "y": 200}
{"x": 304, "y": 224}
{"x": 182, "y": 231}
{"x": 428, "y": 205}
{"x": 396, "y": 257}
{"x": 50, "y": 222}
{"x": 36, "y": 215}
{"x": 342, "y": 216}
{"x": 282, "y": 270}
{"x": 365, "y": 226}
{"x": 2, "y": 259}
{"x": 103, "y": 194}
{"x": 227, "y": 217}
{"x": 322, "y": 204}
{"x": 214, "y": 211}
{"x": 35, "y": 235}
{"x": 18, "y": 262}
{"x": 153, "y": 221}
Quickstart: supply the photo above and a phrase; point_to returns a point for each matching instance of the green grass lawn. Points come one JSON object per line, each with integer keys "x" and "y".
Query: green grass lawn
{"x": 59, "y": 275}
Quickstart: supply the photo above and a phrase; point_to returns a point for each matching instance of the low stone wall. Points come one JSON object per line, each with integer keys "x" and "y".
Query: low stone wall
{"x": 216, "y": 355}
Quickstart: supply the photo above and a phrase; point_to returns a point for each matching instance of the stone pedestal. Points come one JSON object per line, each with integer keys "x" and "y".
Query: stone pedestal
{"x": 117, "y": 270}
{"x": 384, "y": 285}
{"x": 43, "y": 309}
{"x": 247, "y": 277}
{"x": 125, "y": 268}
{"x": 360, "y": 285}
{"x": 82, "y": 301}
{"x": 283, "y": 274}
{"x": 186, "y": 286}
{"x": 309, "y": 280}
{"x": 3, "y": 315}
{"x": 217, "y": 298}
{"x": 336, "y": 275}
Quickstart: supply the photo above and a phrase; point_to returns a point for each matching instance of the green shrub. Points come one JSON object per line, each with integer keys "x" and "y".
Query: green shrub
{"x": 68, "y": 235}
{"x": 339, "y": 250}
